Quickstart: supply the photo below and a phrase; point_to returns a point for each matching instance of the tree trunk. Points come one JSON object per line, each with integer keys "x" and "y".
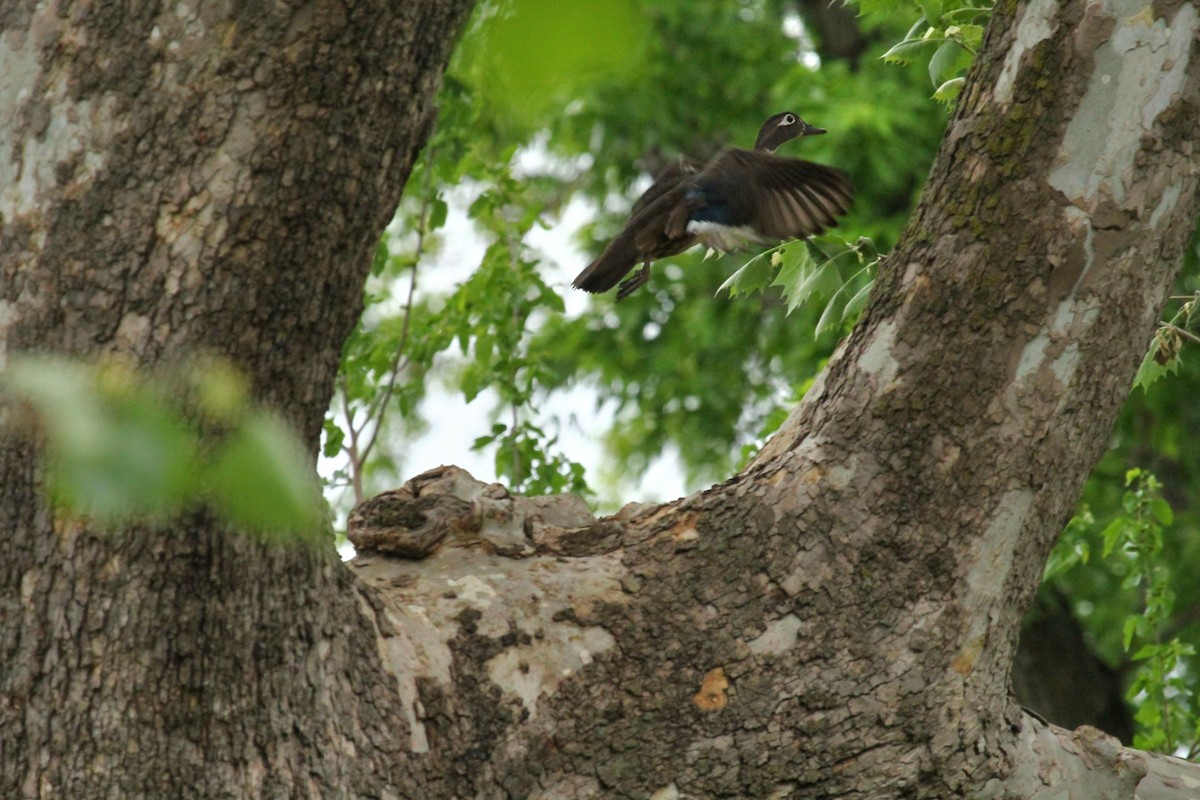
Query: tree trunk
{"x": 181, "y": 178}
{"x": 838, "y": 619}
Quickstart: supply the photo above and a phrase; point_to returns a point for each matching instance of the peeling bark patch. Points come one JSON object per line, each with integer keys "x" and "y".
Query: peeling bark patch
{"x": 474, "y": 590}
{"x": 779, "y": 637}
{"x": 711, "y": 696}
{"x": 528, "y": 618}
{"x": 7, "y": 315}
{"x": 987, "y": 577}
{"x": 877, "y": 358}
{"x": 1031, "y": 357}
{"x": 51, "y": 132}
{"x": 1035, "y": 25}
{"x": 684, "y": 530}
{"x": 536, "y": 667}
{"x": 964, "y": 662}
{"x": 1147, "y": 58}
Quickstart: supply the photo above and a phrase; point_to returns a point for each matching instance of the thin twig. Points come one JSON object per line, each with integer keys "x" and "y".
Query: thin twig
{"x": 351, "y": 449}
{"x": 1184, "y": 333}
{"x": 514, "y": 450}
{"x": 379, "y": 407}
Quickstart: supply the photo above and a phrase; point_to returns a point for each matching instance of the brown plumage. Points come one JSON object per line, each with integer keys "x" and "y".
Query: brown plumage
{"x": 739, "y": 196}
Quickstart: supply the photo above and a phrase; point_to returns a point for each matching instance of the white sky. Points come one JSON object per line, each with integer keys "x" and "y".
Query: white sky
{"x": 455, "y": 424}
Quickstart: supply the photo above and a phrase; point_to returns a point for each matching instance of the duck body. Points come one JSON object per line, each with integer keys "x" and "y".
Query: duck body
{"x": 739, "y": 196}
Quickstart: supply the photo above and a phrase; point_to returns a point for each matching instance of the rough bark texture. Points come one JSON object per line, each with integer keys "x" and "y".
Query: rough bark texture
{"x": 838, "y": 620}
{"x": 182, "y": 177}
{"x": 841, "y": 618}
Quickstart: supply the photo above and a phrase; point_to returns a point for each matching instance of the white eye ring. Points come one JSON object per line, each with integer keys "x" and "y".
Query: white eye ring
{"x": 788, "y": 119}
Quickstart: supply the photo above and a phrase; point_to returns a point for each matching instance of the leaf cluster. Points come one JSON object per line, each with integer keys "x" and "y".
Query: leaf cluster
{"x": 1157, "y": 651}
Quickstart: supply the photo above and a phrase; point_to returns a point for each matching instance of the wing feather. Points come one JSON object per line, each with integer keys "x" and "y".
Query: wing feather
{"x": 778, "y": 197}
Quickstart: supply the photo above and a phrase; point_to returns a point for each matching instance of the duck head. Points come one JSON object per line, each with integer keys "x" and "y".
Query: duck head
{"x": 783, "y": 127}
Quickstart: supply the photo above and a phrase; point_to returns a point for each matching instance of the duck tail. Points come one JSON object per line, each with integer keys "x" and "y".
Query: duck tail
{"x": 610, "y": 267}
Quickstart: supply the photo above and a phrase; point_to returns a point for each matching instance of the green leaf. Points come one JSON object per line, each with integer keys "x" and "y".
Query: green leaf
{"x": 941, "y": 64}
{"x": 918, "y": 29}
{"x": 800, "y": 277}
{"x": 753, "y": 276}
{"x": 260, "y": 480}
{"x": 949, "y": 90}
{"x": 1162, "y": 511}
{"x": 855, "y": 305}
{"x": 904, "y": 52}
{"x": 1113, "y": 535}
{"x": 933, "y": 10}
{"x": 1151, "y": 371}
{"x": 334, "y": 436}
{"x": 1128, "y": 629}
{"x": 1144, "y": 652}
{"x": 971, "y": 35}
{"x": 437, "y": 213}
{"x": 531, "y": 56}
{"x": 831, "y": 314}
{"x": 380, "y": 259}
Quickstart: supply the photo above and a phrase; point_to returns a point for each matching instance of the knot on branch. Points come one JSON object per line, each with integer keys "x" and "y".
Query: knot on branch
{"x": 447, "y": 507}
{"x": 1101, "y": 751}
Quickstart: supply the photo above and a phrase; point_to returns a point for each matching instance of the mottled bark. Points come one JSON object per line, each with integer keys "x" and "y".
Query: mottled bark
{"x": 841, "y": 618}
{"x": 178, "y": 178}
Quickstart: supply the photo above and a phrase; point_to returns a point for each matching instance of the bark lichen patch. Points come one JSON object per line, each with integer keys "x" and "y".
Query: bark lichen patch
{"x": 529, "y": 621}
{"x": 877, "y": 359}
{"x": 1166, "y": 204}
{"x": 8, "y": 315}
{"x": 990, "y": 562}
{"x": 668, "y": 792}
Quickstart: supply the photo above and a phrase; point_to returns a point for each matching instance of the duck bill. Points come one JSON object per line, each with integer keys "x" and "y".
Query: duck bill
{"x": 812, "y": 130}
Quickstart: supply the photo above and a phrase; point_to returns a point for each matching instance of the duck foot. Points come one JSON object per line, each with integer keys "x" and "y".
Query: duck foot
{"x": 630, "y": 284}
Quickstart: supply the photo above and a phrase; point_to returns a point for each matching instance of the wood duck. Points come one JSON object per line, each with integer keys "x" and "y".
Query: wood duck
{"x": 739, "y": 196}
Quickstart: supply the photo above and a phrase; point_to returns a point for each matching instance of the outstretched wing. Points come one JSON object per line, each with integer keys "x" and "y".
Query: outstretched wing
{"x": 755, "y": 195}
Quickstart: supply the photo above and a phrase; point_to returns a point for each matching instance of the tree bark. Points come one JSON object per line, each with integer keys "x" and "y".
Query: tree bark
{"x": 179, "y": 178}
{"x": 840, "y": 619}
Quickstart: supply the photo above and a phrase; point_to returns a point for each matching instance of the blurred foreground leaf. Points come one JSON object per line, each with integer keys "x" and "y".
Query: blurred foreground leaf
{"x": 124, "y": 448}
{"x": 527, "y": 56}
{"x": 115, "y": 447}
{"x": 259, "y": 478}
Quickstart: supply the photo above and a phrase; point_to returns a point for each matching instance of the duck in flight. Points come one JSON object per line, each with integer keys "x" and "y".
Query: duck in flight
{"x": 739, "y": 196}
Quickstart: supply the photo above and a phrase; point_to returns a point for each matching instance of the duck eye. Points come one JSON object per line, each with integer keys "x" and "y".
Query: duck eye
{"x": 789, "y": 119}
